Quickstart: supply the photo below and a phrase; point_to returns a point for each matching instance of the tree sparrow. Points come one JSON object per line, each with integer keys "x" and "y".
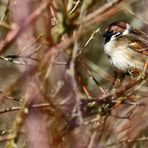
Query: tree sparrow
{"x": 126, "y": 47}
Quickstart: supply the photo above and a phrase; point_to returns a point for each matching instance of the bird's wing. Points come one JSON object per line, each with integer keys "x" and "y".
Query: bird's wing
{"x": 139, "y": 42}
{"x": 139, "y": 46}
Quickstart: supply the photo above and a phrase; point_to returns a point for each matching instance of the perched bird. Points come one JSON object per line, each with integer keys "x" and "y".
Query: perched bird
{"x": 126, "y": 47}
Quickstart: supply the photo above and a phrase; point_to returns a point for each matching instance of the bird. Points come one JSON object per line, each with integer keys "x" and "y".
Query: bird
{"x": 126, "y": 48}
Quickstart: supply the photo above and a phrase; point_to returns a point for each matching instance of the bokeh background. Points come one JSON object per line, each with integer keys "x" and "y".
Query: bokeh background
{"x": 63, "y": 83}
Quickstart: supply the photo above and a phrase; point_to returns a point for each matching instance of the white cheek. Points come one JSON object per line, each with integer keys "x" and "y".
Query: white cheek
{"x": 113, "y": 37}
{"x": 128, "y": 28}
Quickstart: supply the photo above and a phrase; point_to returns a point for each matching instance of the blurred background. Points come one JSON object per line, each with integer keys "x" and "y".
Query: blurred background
{"x": 87, "y": 75}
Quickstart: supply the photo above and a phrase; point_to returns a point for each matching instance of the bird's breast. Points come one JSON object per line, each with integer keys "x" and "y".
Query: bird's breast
{"x": 108, "y": 48}
{"x": 118, "y": 55}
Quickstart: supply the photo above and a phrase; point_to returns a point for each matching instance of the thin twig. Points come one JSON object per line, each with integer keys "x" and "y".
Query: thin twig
{"x": 7, "y": 137}
{"x": 36, "y": 39}
{"x": 75, "y": 6}
{"x": 92, "y": 36}
{"x": 129, "y": 141}
{"x": 90, "y": 75}
{"x": 84, "y": 87}
{"x": 92, "y": 17}
{"x": 16, "y": 108}
{"x": 4, "y": 24}
{"x": 120, "y": 90}
{"x": 138, "y": 17}
{"x": 73, "y": 81}
{"x": 93, "y": 136}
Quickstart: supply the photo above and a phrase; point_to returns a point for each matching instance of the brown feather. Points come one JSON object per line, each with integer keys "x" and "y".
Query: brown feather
{"x": 139, "y": 46}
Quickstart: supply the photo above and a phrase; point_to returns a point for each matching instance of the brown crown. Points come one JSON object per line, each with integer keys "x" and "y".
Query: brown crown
{"x": 117, "y": 27}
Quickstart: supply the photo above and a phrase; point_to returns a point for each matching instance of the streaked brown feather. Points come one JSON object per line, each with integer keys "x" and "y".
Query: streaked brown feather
{"x": 139, "y": 46}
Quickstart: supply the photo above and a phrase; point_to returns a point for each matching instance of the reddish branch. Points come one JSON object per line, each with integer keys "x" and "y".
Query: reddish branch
{"x": 49, "y": 56}
{"x": 14, "y": 34}
{"x": 104, "y": 9}
{"x": 34, "y": 121}
{"x": 120, "y": 90}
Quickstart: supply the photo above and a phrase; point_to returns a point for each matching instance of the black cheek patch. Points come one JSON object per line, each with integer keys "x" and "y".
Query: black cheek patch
{"x": 107, "y": 36}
